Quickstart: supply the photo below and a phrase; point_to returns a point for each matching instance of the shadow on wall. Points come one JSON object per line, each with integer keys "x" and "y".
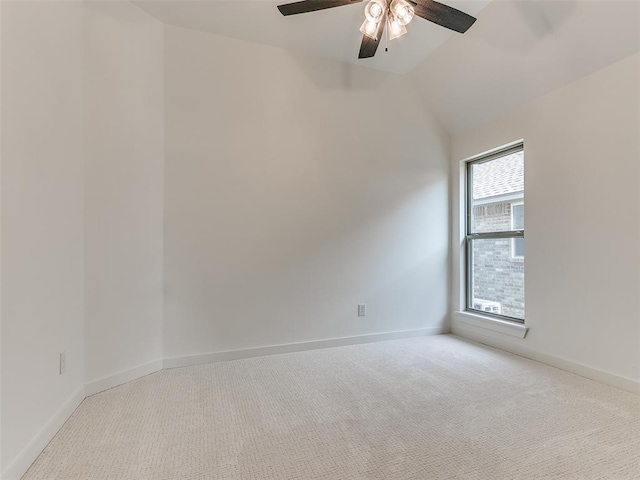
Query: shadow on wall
{"x": 312, "y": 265}
{"x": 311, "y": 229}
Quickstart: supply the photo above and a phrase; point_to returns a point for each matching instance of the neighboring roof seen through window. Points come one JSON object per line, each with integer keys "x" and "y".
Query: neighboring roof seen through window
{"x": 497, "y": 177}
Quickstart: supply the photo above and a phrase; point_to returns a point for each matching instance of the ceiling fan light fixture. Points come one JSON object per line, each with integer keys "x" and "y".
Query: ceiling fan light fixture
{"x": 393, "y": 15}
{"x": 403, "y": 11}
{"x": 394, "y": 28}
{"x": 369, "y": 29}
{"x": 374, "y": 11}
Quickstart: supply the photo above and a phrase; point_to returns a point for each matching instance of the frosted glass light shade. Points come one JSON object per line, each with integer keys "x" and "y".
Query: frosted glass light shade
{"x": 374, "y": 11}
{"x": 369, "y": 29}
{"x": 402, "y": 11}
{"x": 395, "y": 29}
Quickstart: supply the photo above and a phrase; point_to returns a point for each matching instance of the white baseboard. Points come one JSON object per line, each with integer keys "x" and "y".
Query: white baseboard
{"x": 214, "y": 357}
{"x": 467, "y": 331}
{"x": 27, "y": 456}
{"x": 124, "y": 376}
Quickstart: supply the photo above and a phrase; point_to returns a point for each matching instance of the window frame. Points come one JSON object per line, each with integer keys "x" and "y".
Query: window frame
{"x": 469, "y": 237}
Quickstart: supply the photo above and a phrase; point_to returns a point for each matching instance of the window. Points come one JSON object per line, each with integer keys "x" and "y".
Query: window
{"x": 495, "y": 234}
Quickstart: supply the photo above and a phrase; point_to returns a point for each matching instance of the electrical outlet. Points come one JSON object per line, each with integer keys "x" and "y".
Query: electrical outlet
{"x": 362, "y": 310}
{"x": 63, "y": 362}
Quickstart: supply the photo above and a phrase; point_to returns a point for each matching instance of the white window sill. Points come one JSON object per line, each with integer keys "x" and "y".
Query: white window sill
{"x": 494, "y": 324}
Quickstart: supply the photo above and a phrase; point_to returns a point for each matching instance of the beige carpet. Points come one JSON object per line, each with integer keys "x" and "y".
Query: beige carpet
{"x": 425, "y": 408}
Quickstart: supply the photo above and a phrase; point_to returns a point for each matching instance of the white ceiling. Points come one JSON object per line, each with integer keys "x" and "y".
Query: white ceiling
{"x": 521, "y": 50}
{"x": 332, "y": 33}
{"x": 518, "y": 50}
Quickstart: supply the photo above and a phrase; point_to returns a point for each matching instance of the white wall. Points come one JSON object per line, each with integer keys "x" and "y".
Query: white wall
{"x": 582, "y": 151}
{"x": 123, "y": 183}
{"x": 294, "y": 190}
{"x": 82, "y": 166}
{"x": 42, "y": 216}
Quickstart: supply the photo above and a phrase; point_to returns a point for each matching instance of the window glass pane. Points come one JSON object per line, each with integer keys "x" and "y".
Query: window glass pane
{"x": 518, "y": 248}
{"x": 517, "y": 216}
{"x": 496, "y": 187}
{"x": 497, "y": 280}
{"x": 517, "y": 223}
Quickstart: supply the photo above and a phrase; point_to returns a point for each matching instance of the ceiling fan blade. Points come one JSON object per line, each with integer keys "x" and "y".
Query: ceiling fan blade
{"x": 369, "y": 46}
{"x": 312, "y": 6}
{"x": 443, "y": 15}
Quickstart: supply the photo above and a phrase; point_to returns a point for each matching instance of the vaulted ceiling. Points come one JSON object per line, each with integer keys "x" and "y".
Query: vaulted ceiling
{"x": 332, "y": 33}
{"x": 516, "y": 51}
{"x": 521, "y": 50}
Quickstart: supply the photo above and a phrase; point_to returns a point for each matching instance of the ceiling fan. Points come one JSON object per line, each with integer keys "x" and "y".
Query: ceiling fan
{"x": 394, "y": 14}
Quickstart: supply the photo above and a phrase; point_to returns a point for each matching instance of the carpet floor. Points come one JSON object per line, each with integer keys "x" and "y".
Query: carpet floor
{"x": 424, "y": 408}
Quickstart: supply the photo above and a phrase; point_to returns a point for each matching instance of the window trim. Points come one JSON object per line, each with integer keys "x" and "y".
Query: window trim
{"x": 469, "y": 237}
